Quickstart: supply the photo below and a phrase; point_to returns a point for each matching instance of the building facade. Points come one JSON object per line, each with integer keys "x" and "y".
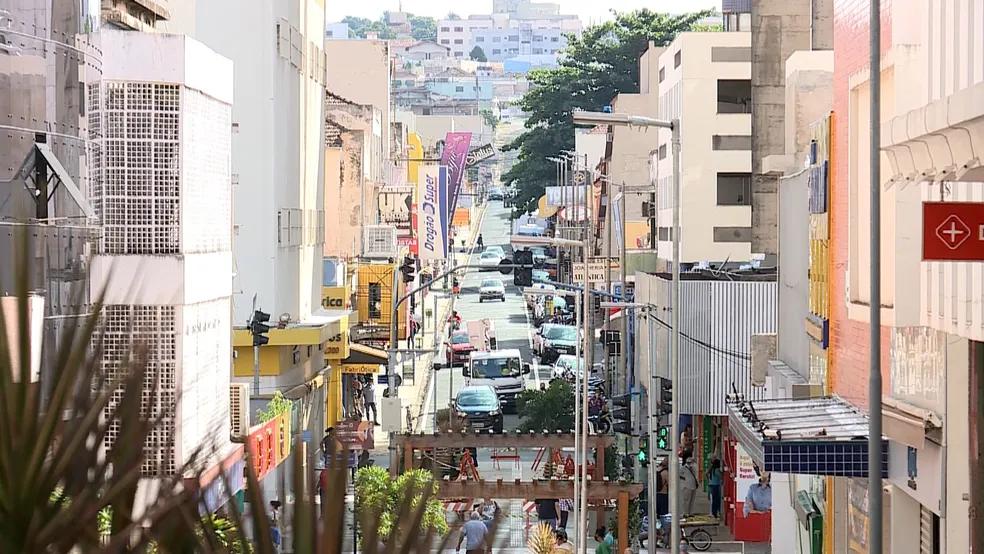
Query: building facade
{"x": 160, "y": 122}
{"x": 704, "y": 81}
{"x": 508, "y": 34}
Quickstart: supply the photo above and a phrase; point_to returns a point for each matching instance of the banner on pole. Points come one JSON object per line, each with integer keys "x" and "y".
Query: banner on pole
{"x": 432, "y": 212}
{"x": 454, "y": 157}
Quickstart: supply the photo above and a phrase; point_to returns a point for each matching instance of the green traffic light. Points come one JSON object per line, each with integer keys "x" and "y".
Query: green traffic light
{"x": 661, "y": 443}
{"x": 663, "y": 432}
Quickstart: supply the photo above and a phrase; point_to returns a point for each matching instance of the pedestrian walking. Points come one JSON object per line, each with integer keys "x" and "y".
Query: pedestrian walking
{"x": 358, "y": 408}
{"x": 603, "y": 546}
{"x": 688, "y": 487}
{"x": 566, "y": 507}
{"x": 714, "y": 480}
{"x": 481, "y": 242}
{"x": 369, "y": 397}
{"x": 547, "y": 510}
{"x": 473, "y": 534}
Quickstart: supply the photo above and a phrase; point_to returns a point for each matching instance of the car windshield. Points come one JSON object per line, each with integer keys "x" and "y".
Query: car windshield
{"x": 561, "y": 333}
{"x": 567, "y": 362}
{"x": 489, "y": 255}
{"x": 491, "y": 283}
{"x": 460, "y": 338}
{"x": 476, "y": 397}
{"x": 490, "y": 368}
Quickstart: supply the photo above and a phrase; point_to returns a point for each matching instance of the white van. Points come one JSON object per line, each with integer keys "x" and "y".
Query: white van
{"x": 502, "y": 369}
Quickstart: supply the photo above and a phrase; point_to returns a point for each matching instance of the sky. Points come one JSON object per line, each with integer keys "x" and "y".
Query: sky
{"x": 590, "y": 11}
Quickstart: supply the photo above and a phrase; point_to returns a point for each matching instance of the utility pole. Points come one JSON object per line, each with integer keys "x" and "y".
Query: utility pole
{"x": 675, "y": 350}
{"x": 588, "y": 364}
{"x": 874, "y": 378}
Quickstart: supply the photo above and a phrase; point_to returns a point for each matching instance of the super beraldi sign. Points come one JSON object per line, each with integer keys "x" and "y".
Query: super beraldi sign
{"x": 953, "y": 231}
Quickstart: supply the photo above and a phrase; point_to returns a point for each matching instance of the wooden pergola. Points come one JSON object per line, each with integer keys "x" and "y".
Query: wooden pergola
{"x": 598, "y": 487}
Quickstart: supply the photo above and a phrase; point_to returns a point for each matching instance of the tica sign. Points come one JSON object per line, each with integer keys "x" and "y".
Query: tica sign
{"x": 953, "y": 231}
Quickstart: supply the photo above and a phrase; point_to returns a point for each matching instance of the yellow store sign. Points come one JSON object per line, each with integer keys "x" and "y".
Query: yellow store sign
{"x": 337, "y": 346}
{"x": 335, "y": 298}
{"x": 360, "y": 368}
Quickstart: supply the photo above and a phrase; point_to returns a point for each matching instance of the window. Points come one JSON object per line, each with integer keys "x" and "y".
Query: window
{"x": 662, "y": 152}
{"x": 513, "y": 38}
{"x": 496, "y": 51}
{"x": 554, "y": 39}
{"x": 734, "y": 96}
{"x": 734, "y": 189}
{"x": 676, "y": 58}
{"x": 445, "y": 29}
{"x": 662, "y": 74}
{"x": 479, "y": 39}
{"x": 459, "y": 89}
{"x": 496, "y": 39}
{"x": 731, "y": 142}
{"x": 458, "y": 29}
{"x": 538, "y": 50}
{"x": 732, "y": 234}
{"x": 375, "y": 300}
{"x": 537, "y": 39}
{"x": 458, "y": 41}
{"x": 459, "y": 54}
{"x": 665, "y": 234}
{"x": 445, "y": 41}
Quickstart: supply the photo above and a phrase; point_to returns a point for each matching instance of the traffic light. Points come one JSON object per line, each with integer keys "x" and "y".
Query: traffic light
{"x": 622, "y": 414}
{"x": 643, "y": 455}
{"x": 663, "y": 438}
{"x": 259, "y": 328}
{"x": 408, "y": 269}
{"x": 523, "y": 275}
{"x": 664, "y": 396}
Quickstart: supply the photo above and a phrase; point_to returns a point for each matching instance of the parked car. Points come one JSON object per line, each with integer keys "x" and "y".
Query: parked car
{"x": 496, "y": 194}
{"x": 458, "y": 348}
{"x": 489, "y": 261}
{"x": 502, "y": 369}
{"x": 492, "y": 289}
{"x": 479, "y": 407}
{"x": 540, "y": 275}
{"x": 565, "y": 363}
{"x": 559, "y": 339}
{"x": 539, "y": 255}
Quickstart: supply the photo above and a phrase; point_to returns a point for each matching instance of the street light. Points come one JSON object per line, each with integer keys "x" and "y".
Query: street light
{"x": 604, "y": 118}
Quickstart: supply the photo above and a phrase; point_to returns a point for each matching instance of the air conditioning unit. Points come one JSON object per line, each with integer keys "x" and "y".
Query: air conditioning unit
{"x": 238, "y": 411}
{"x": 380, "y": 241}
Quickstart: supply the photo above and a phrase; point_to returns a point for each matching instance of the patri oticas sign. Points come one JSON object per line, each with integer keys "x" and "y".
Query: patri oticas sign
{"x": 432, "y": 212}
{"x": 953, "y": 231}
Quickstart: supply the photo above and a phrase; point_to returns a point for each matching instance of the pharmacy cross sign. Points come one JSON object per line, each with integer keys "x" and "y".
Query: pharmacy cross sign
{"x": 953, "y": 231}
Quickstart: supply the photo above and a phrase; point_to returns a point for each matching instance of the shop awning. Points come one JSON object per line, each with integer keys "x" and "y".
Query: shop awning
{"x": 812, "y": 436}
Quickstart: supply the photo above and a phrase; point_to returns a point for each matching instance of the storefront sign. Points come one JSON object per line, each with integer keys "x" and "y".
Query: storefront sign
{"x": 361, "y": 369}
{"x": 480, "y": 154}
{"x": 462, "y": 217}
{"x": 953, "y": 231}
{"x": 222, "y": 488}
{"x": 745, "y": 475}
{"x": 262, "y": 444}
{"x": 336, "y": 298}
{"x": 432, "y": 213}
{"x": 355, "y": 435}
{"x": 337, "y": 347}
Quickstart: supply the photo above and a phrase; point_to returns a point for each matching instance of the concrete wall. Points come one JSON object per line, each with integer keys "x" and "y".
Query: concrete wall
{"x": 778, "y": 29}
{"x": 359, "y": 70}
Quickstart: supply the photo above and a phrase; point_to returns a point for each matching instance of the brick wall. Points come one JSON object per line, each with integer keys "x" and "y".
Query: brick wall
{"x": 849, "y": 343}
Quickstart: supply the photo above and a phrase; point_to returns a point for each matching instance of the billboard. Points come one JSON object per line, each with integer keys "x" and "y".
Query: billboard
{"x": 454, "y": 158}
{"x": 432, "y": 212}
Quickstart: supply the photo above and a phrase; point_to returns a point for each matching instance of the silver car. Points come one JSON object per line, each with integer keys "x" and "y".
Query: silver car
{"x": 492, "y": 289}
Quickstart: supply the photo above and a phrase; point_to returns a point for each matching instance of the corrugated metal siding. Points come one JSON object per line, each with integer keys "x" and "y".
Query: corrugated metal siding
{"x": 717, "y": 322}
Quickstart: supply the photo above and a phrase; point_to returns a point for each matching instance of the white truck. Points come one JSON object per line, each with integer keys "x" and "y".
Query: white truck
{"x": 504, "y": 370}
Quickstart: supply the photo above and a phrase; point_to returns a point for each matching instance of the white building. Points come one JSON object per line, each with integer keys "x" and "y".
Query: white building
{"x": 503, "y": 36}
{"x": 704, "y": 80}
{"x": 160, "y": 122}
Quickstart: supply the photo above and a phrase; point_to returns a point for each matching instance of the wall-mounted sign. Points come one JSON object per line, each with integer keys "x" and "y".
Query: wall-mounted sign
{"x": 953, "y": 231}
{"x": 361, "y": 369}
{"x": 262, "y": 444}
{"x": 336, "y": 298}
{"x": 337, "y": 347}
{"x": 479, "y": 154}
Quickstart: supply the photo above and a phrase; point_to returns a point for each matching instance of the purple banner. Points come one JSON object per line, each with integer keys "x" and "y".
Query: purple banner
{"x": 454, "y": 157}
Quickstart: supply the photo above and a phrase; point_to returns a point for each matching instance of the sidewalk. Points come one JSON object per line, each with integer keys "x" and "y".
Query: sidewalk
{"x": 412, "y": 397}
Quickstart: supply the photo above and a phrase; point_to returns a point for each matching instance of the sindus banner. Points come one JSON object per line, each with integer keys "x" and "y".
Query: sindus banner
{"x": 454, "y": 157}
{"x": 432, "y": 212}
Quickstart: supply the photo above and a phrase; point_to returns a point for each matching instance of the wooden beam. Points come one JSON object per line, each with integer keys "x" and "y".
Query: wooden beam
{"x": 499, "y": 440}
{"x": 530, "y": 490}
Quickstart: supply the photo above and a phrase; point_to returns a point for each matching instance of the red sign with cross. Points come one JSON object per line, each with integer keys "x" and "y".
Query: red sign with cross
{"x": 953, "y": 231}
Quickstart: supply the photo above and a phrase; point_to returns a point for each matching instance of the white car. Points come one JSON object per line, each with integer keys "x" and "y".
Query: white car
{"x": 496, "y": 249}
{"x": 492, "y": 289}
{"x": 564, "y": 363}
{"x": 489, "y": 260}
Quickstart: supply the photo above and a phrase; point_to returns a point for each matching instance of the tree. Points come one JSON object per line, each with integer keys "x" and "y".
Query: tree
{"x": 390, "y": 500}
{"x": 547, "y": 410}
{"x": 360, "y": 26}
{"x": 595, "y": 67}
{"x": 478, "y": 54}
{"x": 423, "y": 27}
